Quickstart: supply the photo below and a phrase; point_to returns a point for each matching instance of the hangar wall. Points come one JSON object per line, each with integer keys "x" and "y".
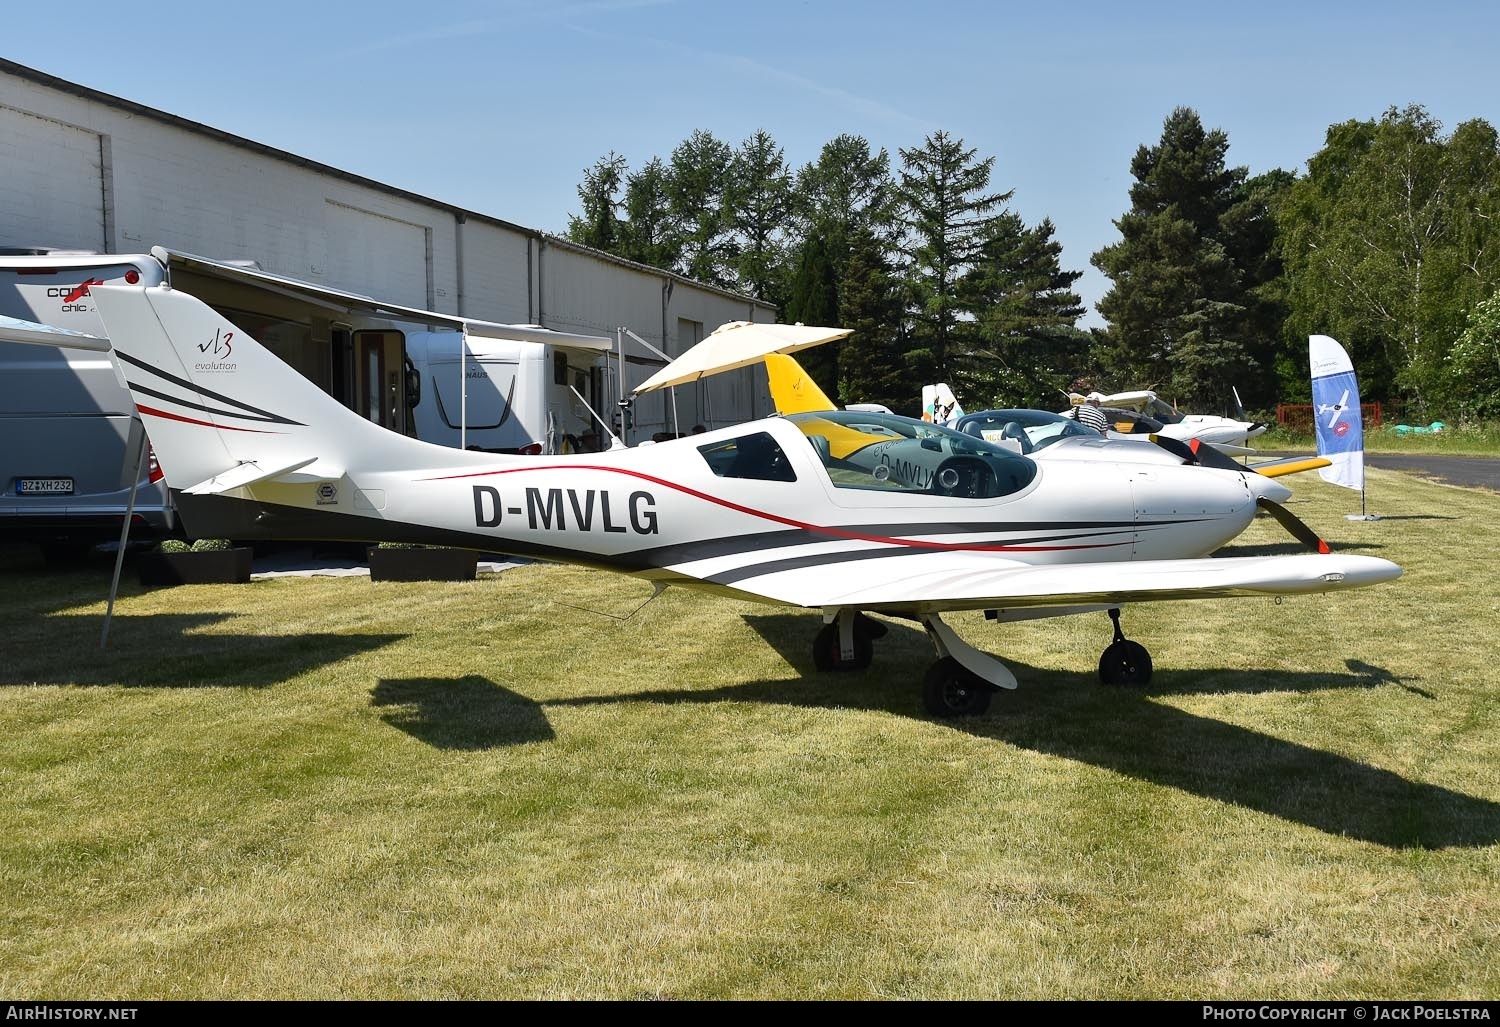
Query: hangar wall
{"x": 81, "y": 169}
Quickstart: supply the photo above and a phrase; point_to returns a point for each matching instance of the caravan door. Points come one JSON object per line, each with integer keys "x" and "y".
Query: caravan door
{"x": 491, "y": 391}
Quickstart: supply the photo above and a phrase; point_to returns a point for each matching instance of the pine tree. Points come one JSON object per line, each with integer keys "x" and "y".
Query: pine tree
{"x": 759, "y": 198}
{"x": 845, "y": 194}
{"x": 599, "y": 226}
{"x": 696, "y": 192}
{"x": 1251, "y": 238}
{"x": 813, "y": 299}
{"x": 647, "y": 235}
{"x": 946, "y": 212}
{"x": 1026, "y": 313}
{"x": 871, "y": 363}
{"x": 843, "y": 198}
{"x": 1179, "y": 312}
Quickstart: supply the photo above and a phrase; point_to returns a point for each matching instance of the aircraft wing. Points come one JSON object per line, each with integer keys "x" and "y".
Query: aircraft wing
{"x": 1230, "y": 449}
{"x": 1138, "y": 400}
{"x": 1290, "y": 465}
{"x": 934, "y": 583}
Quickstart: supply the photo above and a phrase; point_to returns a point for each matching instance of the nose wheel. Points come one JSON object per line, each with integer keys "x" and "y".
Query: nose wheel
{"x": 948, "y": 690}
{"x": 1124, "y": 662}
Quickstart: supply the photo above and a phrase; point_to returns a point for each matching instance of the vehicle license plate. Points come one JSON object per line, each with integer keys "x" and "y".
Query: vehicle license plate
{"x": 44, "y": 486}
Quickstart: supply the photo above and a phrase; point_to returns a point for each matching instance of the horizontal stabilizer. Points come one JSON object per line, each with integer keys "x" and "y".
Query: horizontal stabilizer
{"x": 248, "y": 473}
{"x": 33, "y": 333}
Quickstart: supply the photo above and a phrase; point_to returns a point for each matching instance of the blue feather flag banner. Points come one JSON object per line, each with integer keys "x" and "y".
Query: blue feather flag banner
{"x": 1336, "y": 412}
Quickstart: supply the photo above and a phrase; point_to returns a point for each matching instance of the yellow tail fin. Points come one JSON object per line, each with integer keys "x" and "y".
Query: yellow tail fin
{"x": 792, "y": 390}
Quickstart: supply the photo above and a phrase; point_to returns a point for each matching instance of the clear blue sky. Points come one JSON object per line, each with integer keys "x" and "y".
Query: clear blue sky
{"x": 499, "y": 106}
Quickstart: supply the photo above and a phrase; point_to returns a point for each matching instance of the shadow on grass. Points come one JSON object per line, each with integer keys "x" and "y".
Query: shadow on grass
{"x": 1418, "y": 517}
{"x": 464, "y": 713}
{"x": 163, "y": 651}
{"x": 1294, "y": 549}
{"x": 1124, "y": 730}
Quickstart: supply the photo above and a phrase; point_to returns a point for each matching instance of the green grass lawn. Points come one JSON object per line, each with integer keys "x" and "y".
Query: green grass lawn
{"x": 328, "y": 788}
{"x": 1471, "y": 438}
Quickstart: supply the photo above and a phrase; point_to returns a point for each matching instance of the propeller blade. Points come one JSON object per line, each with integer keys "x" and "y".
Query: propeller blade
{"x": 1210, "y": 456}
{"x": 1195, "y": 452}
{"x": 1239, "y": 408}
{"x": 1181, "y": 450}
{"x": 1295, "y": 525}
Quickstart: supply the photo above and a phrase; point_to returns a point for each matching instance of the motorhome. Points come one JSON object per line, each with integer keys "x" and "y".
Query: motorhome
{"x": 538, "y": 392}
{"x": 69, "y": 438}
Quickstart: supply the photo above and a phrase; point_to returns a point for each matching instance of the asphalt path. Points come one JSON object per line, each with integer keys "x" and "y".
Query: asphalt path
{"x": 1475, "y": 472}
{"x": 1472, "y": 472}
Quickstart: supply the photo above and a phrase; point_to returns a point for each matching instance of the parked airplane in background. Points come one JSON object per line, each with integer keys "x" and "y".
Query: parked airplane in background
{"x": 845, "y": 512}
{"x": 1058, "y": 437}
{"x": 1035, "y": 433}
{"x": 1144, "y": 413}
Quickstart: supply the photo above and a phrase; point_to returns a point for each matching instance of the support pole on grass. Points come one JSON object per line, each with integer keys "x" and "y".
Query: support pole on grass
{"x": 135, "y": 484}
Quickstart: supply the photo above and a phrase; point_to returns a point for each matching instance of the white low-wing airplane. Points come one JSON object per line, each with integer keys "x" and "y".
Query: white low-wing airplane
{"x": 1143, "y": 412}
{"x": 846, "y": 512}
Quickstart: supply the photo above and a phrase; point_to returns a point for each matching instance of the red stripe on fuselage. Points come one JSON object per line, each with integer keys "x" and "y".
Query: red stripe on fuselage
{"x": 831, "y": 532}
{"x": 207, "y": 424}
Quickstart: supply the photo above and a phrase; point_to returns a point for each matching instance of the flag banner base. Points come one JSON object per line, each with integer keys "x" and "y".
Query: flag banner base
{"x": 1361, "y": 517}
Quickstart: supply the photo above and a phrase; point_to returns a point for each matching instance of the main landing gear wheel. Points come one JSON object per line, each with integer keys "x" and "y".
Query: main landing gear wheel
{"x": 827, "y": 654}
{"x": 950, "y": 691}
{"x": 1124, "y": 662}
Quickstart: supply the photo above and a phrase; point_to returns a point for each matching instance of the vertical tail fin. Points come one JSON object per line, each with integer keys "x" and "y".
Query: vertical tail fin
{"x": 221, "y": 410}
{"x": 792, "y": 390}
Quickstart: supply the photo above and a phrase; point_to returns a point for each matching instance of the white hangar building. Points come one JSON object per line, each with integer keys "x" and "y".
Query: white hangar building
{"x": 84, "y": 170}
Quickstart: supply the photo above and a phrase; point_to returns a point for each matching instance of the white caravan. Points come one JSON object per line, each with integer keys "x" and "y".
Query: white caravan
{"x": 534, "y": 393}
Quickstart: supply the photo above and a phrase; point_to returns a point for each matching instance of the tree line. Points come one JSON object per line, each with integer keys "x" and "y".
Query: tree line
{"x": 1385, "y": 242}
